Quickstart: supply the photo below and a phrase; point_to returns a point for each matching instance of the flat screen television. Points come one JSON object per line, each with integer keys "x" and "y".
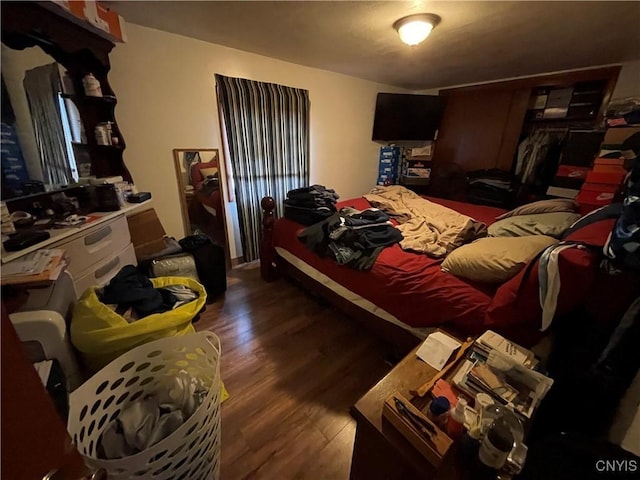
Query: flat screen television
{"x": 402, "y": 116}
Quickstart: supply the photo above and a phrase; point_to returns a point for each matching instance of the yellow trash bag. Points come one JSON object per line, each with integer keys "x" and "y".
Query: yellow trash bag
{"x": 101, "y": 335}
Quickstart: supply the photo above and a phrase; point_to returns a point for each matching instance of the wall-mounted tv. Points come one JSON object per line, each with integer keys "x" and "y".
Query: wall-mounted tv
{"x": 402, "y": 116}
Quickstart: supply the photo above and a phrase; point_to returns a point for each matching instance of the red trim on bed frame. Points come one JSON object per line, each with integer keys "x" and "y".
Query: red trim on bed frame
{"x": 272, "y": 266}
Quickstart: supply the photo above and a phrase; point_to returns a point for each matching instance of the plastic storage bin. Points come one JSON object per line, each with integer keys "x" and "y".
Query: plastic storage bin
{"x": 192, "y": 452}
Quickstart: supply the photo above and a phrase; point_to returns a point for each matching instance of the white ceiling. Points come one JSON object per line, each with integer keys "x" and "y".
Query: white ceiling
{"x": 476, "y": 40}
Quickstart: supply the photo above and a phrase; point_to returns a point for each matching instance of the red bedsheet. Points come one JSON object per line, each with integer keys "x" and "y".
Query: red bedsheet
{"x": 409, "y": 286}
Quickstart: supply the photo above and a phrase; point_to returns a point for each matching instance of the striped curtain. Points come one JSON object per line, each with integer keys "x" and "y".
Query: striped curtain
{"x": 41, "y": 85}
{"x": 267, "y": 129}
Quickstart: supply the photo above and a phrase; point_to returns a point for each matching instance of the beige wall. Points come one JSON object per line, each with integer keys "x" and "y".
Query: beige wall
{"x": 628, "y": 81}
{"x": 166, "y": 99}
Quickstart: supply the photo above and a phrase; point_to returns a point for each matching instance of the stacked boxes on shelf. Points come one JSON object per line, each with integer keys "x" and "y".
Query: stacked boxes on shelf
{"x": 389, "y": 165}
{"x": 579, "y": 150}
{"x": 601, "y": 187}
{"x": 417, "y": 165}
{"x": 605, "y": 180}
{"x": 568, "y": 181}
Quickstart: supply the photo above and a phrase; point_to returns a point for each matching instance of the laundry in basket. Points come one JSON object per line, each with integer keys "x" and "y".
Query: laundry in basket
{"x": 146, "y": 421}
{"x": 192, "y": 451}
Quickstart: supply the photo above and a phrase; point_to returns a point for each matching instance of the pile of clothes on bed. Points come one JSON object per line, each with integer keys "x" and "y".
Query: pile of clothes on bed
{"x": 309, "y": 205}
{"x": 352, "y": 237}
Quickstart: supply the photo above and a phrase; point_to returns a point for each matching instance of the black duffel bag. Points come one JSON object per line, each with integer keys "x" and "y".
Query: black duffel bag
{"x": 210, "y": 263}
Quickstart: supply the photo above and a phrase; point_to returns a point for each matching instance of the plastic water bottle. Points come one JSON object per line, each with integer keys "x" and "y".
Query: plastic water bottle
{"x": 455, "y": 423}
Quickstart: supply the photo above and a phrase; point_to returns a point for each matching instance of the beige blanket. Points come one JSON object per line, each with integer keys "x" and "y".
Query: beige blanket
{"x": 426, "y": 226}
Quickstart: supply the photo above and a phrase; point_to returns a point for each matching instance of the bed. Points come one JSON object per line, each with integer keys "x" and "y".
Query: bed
{"x": 205, "y": 180}
{"x": 406, "y": 295}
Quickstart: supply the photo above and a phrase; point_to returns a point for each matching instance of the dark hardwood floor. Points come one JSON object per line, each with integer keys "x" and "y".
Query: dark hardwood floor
{"x": 293, "y": 368}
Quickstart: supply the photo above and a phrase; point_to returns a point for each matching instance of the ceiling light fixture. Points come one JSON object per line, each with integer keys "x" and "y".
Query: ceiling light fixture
{"x": 415, "y": 28}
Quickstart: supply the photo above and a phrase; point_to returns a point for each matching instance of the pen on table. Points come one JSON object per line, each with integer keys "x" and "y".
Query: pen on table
{"x": 422, "y": 425}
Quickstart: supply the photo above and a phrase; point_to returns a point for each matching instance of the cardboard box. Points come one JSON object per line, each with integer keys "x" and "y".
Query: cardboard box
{"x": 609, "y": 161}
{"x": 609, "y": 169}
{"x": 590, "y": 200}
{"x": 600, "y": 187}
{"x": 388, "y": 161}
{"x": 390, "y": 152}
{"x": 609, "y": 178}
{"x": 572, "y": 171}
{"x": 421, "y": 153}
{"x": 419, "y": 172}
{"x": 391, "y": 172}
{"x": 147, "y": 233}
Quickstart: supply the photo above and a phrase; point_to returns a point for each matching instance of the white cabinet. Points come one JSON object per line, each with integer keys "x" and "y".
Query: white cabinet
{"x": 97, "y": 253}
{"x": 102, "y": 272}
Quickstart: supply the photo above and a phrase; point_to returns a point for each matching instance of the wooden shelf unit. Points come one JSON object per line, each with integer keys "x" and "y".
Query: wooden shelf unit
{"x": 79, "y": 51}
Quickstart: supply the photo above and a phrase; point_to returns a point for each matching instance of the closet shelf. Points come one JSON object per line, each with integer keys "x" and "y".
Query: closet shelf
{"x": 561, "y": 119}
{"x": 109, "y": 99}
{"x": 89, "y": 146}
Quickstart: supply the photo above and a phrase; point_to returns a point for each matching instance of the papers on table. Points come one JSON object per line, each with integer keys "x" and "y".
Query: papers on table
{"x": 506, "y": 377}
{"x": 40, "y": 266}
{"x": 436, "y": 349}
{"x": 490, "y": 340}
{"x": 31, "y": 264}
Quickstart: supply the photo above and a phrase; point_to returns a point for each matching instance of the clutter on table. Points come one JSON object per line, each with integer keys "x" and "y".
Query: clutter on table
{"x": 480, "y": 399}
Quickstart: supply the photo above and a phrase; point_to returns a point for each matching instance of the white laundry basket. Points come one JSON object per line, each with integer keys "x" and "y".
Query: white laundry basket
{"x": 192, "y": 452}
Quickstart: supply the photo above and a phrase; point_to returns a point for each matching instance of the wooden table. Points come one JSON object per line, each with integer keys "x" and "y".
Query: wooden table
{"x": 380, "y": 451}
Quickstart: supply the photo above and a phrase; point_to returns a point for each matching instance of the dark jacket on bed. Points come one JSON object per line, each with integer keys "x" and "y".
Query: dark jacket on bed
{"x": 352, "y": 237}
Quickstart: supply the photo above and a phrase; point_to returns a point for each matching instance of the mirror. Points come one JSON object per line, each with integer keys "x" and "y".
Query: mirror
{"x": 23, "y": 170}
{"x": 200, "y": 178}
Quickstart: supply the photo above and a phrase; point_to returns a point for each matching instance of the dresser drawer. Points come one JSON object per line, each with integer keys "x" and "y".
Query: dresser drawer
{"x": 95, "y": 244}
{"x": 102, "y": 272}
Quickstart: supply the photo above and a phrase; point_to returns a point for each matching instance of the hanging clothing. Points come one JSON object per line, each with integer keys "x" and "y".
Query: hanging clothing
{"x": 549, "y": 281}
{"x": 535, "y": 152}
